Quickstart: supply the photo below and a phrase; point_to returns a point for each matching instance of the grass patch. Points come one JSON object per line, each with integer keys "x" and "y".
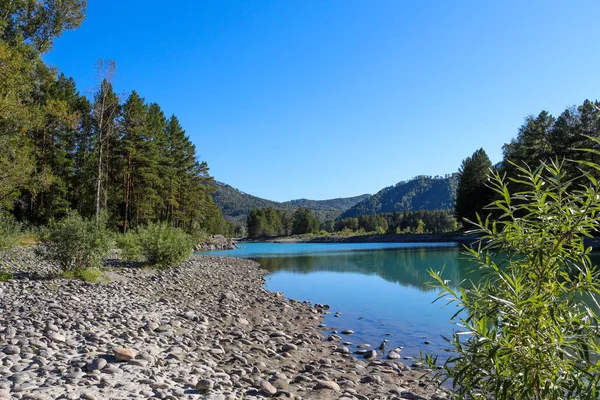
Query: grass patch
{"x": 85, "y": 274}
{"x": 27, "y": 239}
{"x": 6, "y": 276}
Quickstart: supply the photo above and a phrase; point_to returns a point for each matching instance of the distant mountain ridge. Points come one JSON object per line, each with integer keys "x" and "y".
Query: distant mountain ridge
{"x": 236, "y": 204}
{"x": 419, "y": 193}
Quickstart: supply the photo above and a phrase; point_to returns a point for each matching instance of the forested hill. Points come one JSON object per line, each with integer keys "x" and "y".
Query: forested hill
{"x": 419, "y": 193}
{"x": 341, "y": 204}
{"x": 236, "y": 204}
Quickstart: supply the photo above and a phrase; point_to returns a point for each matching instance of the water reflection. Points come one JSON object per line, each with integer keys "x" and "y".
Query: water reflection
{"x": 381, "y": 290}
{"x": 406, "y": 266}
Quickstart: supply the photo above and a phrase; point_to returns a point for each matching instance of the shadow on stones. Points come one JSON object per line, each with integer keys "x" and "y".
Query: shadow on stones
{"x": 123, "y": 264}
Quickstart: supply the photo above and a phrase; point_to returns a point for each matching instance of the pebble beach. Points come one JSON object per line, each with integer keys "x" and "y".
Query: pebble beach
{"x": 204, "y": 330}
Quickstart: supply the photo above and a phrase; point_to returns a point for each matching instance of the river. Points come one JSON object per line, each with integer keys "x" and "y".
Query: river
{"x": 380, "y": 289}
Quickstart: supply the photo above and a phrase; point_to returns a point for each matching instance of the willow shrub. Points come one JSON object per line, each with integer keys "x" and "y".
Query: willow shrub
{"x": 75, "y": 243}
{"x": 164, "y": 246}
{"x": 129, "y": 244}
{"x": 529, "y": 328}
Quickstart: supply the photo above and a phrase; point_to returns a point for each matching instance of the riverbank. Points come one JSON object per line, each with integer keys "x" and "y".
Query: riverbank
{"x": 204, "y": 330}
{"x": 453, "y": 237}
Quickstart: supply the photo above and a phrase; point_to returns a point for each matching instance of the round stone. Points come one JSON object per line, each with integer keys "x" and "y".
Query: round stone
{"x": 123, "y": 354}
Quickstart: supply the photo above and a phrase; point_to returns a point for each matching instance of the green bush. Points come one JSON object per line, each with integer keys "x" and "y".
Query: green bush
{"x": 525, "y": 331}
{"x": 163, "y": 246}
{"x": 129, "y": 244}
{"x": 75, "y": 242}
{"x": 10, "y": 231}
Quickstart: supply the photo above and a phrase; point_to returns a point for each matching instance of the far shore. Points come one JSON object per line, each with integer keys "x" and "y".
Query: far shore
{"x": 453, "y": 237}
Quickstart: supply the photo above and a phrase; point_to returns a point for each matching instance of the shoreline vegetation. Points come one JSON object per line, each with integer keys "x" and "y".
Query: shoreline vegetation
{"x": 179, "y": 333}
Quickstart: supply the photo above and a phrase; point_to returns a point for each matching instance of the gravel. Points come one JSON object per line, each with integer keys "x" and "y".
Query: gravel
{"x": 205, "y": 330}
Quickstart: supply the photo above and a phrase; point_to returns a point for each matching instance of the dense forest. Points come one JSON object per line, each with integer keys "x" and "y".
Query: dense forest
{"x": 236, "y": 205}
{"x": 269, "y": 222}
{"x": 419, "y": 193}
{"x": 102, "y": 155}
{"x": 419, "y": 221}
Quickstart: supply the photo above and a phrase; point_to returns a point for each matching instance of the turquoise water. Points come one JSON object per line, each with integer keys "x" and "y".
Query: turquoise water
{"x": 379, "y": 288}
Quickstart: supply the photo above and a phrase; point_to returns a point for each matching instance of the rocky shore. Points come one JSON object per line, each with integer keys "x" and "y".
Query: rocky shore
{"x": 457, "y": 238}
{"x": 216, "y": 242}
{"x": 204, "y": 330}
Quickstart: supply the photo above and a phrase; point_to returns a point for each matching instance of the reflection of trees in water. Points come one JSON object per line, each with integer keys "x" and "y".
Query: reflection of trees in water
{"x": 408, "y": 267}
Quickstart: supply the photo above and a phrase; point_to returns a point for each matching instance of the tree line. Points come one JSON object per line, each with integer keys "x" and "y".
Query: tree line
{"x": 62, "y": 151}
{"x": 540, "y": 139}
{"x": 269, "y": 222}
{"x": 418, "y": 221}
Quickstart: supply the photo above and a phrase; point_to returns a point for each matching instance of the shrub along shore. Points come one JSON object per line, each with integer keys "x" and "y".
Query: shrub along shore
{"x": 205, "y": 329}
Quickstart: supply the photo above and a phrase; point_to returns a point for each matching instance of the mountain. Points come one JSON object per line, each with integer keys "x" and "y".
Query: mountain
{"x": 419, "y": 193}
{"x": 236, "y": 204}
{"x": 340, "y": 204}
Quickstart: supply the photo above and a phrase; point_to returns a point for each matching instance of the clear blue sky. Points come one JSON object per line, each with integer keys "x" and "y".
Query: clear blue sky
{"x": 323, "y": 99}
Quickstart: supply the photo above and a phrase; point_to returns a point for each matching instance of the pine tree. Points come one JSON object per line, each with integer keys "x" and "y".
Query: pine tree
{"x": 304, "y": 222}
{"x": 531, "y": 146}
{"x": 472, "y": 194}
{"x": 133, "y": 122}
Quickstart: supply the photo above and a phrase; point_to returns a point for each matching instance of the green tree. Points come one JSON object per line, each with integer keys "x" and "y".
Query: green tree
{"x": 328, "y": 226}
{"x": 347, "y": 223}
{"x": 54, "y": 141}
{"x": 304, "y": 222}
{"x": 19, "y": 114}
{"x": 472, "y": 194}
{"x": 37, "y": 23}
{"x": 532, "y": 145}
{"x": 542, "y": 138}
{"x": 133, "y": 123}
{"x": 62, "y": 152}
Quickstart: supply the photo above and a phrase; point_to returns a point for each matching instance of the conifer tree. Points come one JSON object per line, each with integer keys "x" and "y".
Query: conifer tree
{"x": 472, "y": 194}
{"x": 134, "y": 119}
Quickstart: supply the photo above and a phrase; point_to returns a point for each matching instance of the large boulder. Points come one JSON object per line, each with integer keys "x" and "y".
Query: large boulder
{"x": 216, "y": 242}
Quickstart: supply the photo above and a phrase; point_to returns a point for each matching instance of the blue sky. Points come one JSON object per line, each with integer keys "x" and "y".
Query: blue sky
{"x": 323, "y": 99}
